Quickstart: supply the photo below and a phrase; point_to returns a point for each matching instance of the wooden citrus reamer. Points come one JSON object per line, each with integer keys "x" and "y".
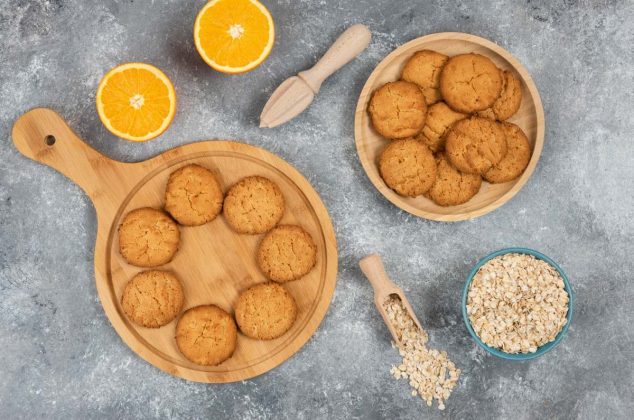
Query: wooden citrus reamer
{"x": 373, "y": 268}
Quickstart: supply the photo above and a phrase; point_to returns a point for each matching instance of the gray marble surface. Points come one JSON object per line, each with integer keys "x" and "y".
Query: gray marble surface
{"x": 62, "y": 359}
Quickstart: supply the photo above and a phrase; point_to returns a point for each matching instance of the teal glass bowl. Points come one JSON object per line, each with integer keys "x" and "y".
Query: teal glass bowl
{"x": 542, "y": 349}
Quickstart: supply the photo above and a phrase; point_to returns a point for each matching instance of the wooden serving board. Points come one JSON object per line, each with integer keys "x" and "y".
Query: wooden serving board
{"x": 214, "y": 263}
{"x": 370, "y": 144}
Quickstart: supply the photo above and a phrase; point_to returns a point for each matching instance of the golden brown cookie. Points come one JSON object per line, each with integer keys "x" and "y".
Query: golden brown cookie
{"x": 206, "y": 335}
{"x": 452, "y": 187}
{"x": 152, "y": 298}
{"x": 475, "y": 145}
{"x": 287, "y": 253}
{"x": 424, "y": 69}
{"x": 254, "y": 205}
{"x": 265, "y": 311}
{"x": 509, "y": 101}
{"x": 516, "y": 159}
{"x": 407, "y": 166}
{"x": 470, "y": 83}
{"x": 398, "y": 110}
{"x": 439, "y": 118}
{"x": 148, "y": 237}
{"x": 193, "y": 195}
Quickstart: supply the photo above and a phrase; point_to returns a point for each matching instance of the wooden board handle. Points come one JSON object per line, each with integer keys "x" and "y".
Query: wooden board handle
{"x": 42, "y": 135}
{"x": 349, "y": 44}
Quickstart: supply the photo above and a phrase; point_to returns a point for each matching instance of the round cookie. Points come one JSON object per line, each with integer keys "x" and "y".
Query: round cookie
{"x": 439, "y": 118}
{"x": 475, "y": 145}
{"x": 148, "y": 237}
{"x": 424, "y": 69}
{"x": 193, "y": 195}
{"x": 516, "y": 159}
{"x": 254, "y": 205}
{"x": 452, "y": 187}
{"x": 398, "y": 110}
{"x": 509, "y": 101}
{"x": 407, "y": 166}
{"x": 206, "y": 335}
{"x": 287, "y": 253}
{"x": 470, "y": 83}
{"x": 265, "y": 311}
{"x": 152, "y": 298}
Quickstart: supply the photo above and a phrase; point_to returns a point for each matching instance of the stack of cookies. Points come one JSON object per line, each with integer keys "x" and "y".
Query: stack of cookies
{"x": 148, "y": 237}
{"x": 446, "y": 122}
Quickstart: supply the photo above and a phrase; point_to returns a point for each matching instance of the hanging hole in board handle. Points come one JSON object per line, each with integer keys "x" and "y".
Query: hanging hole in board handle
{"x": 50, "y": 140}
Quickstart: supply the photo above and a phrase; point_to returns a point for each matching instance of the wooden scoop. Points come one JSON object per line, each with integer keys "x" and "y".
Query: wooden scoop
{"x": 372, "y": 267}
{"x": 295, "y": 94}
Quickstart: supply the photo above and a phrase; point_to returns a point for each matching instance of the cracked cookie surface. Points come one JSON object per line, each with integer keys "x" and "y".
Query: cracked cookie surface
{"x": 148, "y": 237}
{"x": 254, "y": 205}
{"x": 516, "y": 159}
{"x": 398, "y": 110}
{"x": 193, "y": 195}
{"x": 452, "y": 187}
{"x": 408, "y": 167}
{"x": 509, "y": 101}
{"x": 424, "y": 69}
{"x": 439, "y": 119}
{"x": 475, "y": 145}
{"x": 152, "y": 298}
{"x": 206, "y": 335}
{"x": 470, "y": 83}
{"x": 265, "y": 311}
{"x": 287, "y": 253}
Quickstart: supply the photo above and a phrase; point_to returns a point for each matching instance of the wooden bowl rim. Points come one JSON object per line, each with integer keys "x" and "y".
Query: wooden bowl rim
{"x": 370, "y": 167}
{"x": 207, "y": 374}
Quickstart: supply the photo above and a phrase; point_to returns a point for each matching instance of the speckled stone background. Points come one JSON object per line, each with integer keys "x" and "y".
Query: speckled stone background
{"x": 60, "y": 358}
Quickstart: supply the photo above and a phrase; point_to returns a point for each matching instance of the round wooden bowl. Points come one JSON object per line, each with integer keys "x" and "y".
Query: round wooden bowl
{"x": 214, "y": 263}
{"x": 530, "y": 118}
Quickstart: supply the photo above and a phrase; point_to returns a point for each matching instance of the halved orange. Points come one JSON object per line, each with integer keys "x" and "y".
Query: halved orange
{"x": 234, "y": 36}
{"x": 136, "y": 101}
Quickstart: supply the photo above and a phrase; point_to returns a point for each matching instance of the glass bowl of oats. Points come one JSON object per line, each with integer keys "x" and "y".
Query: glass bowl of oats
{"x": 517, "y": 303}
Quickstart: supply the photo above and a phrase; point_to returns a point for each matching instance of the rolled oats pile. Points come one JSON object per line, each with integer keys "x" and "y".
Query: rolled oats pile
{"x": 517, "y": 303}
{"x": 431, "y": 374}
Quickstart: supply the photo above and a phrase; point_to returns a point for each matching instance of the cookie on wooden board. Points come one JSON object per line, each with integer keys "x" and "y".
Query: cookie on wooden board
{"x": 254, "y": 205}
{"x": 439, "y": 119}
{"x": 470, "y": 83}
{"x": 193, "y": 195}
{"x": 265, "y": 311}
{"x": 148, "y": 237}
{"x": 424, "y": 69}
{"x": 398, "y": 110}
{"x": 206, "y": 335}
{"x": 286, "y": 253}
{"x": 408, "y": 167}
{"x": 509, "y": 101}
{"x": 475, "y": 145}
{"x": 153, "y": 298}
{"x": 516, "y": 159}
{"x": 452, "y": 187}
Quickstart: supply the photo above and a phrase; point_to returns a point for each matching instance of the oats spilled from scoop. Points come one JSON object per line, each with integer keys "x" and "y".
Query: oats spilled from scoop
{"x": 430, "y": 372}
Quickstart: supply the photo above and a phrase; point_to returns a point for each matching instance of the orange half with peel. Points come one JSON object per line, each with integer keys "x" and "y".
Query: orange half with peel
{"x": 234, "y": 36}
{"x": 136, "y": 101}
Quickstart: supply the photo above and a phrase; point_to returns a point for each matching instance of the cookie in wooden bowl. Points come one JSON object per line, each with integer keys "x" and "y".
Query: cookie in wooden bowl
{"x": 470, "y": 83}
{"x": 398, "y": 110}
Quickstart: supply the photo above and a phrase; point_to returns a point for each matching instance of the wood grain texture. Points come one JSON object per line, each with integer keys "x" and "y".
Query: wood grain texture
{"x": 530, "y": 118}
{"x": 214, "y": 263}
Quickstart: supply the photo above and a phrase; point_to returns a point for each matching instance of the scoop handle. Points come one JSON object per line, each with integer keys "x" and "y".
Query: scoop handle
{"x": 372, "y": 267}
{"x": 349, "y": 44}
